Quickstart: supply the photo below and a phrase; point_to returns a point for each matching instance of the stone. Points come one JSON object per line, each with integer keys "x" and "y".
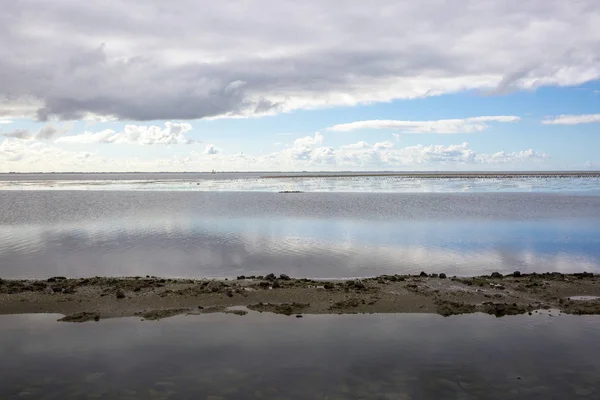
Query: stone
{"x": 276, "y": 284}
{"x": 496, "y": 275}
{"x": 329, "y": 286}
{"x": 120, "y": 294}
{"x": 241, "y": 278}
{"x": 517, "y": 274}
{"x": 284, "y": 277}
{"x": 423, "y": 274}
{"x": 229, "y": 293}
{"x": 443, "y": 276}
{"x": 270, "y": 277}
{"x": 359, "y": 285}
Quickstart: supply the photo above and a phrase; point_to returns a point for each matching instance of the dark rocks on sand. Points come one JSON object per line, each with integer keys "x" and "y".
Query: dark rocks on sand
{"x": 81, "y": 317}
{"x": 443, "y": 276}
{"x": 284, "y": 277}
{"x": 496, "y": 275}
{"x": 241, "y": 278}
{"x": 423, "y": 274}
{"x": 57, "y": 278}
{"x": 356, "y": 285}
{"x": 329, "y": 286}
{"x": 517, "y": 274}
{"x": 264, "y": 285}
{"x": 120, "y": 294}
{"x": 276, "y": 284}
{"x": 270, "y": 277}
{"x": 229, "y": 293}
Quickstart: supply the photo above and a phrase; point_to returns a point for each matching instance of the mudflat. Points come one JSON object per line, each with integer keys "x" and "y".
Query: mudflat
{"x": 152, "y": 298}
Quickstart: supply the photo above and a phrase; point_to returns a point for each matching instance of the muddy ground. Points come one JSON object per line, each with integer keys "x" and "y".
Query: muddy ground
{"x": 152, "y": 298}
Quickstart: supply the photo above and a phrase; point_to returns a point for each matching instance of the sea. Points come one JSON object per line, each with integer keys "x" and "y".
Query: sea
{"x": 341, "y": 225}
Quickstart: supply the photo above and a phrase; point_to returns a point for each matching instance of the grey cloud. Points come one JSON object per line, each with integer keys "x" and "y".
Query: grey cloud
{"x": 48, "y": 131}
{"x": 18, "y": 134}
{"x": 234, "y": 59}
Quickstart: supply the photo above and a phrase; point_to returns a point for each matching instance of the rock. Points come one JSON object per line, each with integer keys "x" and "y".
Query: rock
{"x": 299, "y": 316}
{"x": 443, "y": 276}
{"x": 264, "y": 285}
{"x": 423, "y": 274}
{"x": 329, "y": 286}
{"x": 517, "y": 274}
{"x": 229, "y": 293}
{"x": 359, "y": 285}
{"x": 120, "y": 294}
{"x": 270, "y": 277}
{"x": 69, "y": 290}
{"x": 496, "y": 275}
{"x": 241, "y": 278}
{"x": 284, "y": 277}
{"x": 81, "y": 317}
{"x": 276, "y": 284}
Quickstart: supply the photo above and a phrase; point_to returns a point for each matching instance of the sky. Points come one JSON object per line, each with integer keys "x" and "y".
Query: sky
{"x": 316, "y": 85}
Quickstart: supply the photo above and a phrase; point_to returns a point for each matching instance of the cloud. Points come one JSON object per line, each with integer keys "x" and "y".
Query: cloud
{"x": 30, "y": 155}
{"x": 396, "y": 136}
{"x": 566, "y": 119}
{"x": 173, "y": 133}
{"x": 71, "y": 60}
{"x": 356, "y": 146}
{"x": 308, "y": 141}
{"x": 211, "y": 149}
{"x": 5, "y": 121}
{"x": 465, "y": 125}
{"x": 48, "y": 131}
{"x": 18, "y": 134}
{"x": 383, "y": 145}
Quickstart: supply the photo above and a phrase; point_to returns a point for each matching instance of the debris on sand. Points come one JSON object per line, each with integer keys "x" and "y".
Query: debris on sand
{"x": 284, "y": 308}
{"x": 81, "y": 317}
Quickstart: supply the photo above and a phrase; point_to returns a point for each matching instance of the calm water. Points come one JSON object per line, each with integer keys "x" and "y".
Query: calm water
{"x": 254, "y": 182}
{"x": 197, "y": 234}
{"x": 317, "y": 357}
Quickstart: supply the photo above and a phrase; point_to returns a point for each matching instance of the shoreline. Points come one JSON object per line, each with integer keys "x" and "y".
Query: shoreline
{"x": 445, "y": 175}
{"x": 153, "y": 298}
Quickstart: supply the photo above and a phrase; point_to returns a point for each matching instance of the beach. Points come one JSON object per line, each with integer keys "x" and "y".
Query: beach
{"x": 151, "y": 298}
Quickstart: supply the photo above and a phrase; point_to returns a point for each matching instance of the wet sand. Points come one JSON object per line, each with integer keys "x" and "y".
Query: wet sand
{"x": 152, "y": 298}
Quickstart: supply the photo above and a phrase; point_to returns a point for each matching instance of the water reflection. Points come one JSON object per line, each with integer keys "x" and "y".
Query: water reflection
{"x": 316, "y": 248}
{"x": 195, "y": 235}
{"x": 316, "y": 357}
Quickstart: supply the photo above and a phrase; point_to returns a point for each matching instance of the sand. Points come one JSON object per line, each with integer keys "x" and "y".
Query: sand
{"x": 152, "y": 298}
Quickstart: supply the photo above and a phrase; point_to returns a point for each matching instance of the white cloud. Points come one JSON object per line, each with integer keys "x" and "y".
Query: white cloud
{"x": 211, "y": 149}
{"x": 396, "y": 136}
{"x": 73, "y": 59}
{"x": 31, "y": 155}
{"x": 5, "y": 121}
{"x": 383, "y": 145}
{"x": 465, "y": 125}
{"x": 356, "y": 146}
{"x": 308, "y": 141}
{"x": 173, "y": 133}
{"x": 566, "y": 119}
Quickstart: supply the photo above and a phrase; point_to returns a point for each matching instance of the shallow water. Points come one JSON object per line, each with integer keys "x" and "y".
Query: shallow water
{"x": 255, "y": 182}
{"x": 265, "y": 356}
{"x": 327, "y": 235}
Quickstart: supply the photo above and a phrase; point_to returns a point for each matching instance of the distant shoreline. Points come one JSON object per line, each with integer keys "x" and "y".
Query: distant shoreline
{"x": 445, "y": 175}
{"x": 151, "y": 298}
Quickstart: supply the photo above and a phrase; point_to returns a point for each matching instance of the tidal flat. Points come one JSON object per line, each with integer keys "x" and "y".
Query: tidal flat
{"x": 152, "y": 298}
